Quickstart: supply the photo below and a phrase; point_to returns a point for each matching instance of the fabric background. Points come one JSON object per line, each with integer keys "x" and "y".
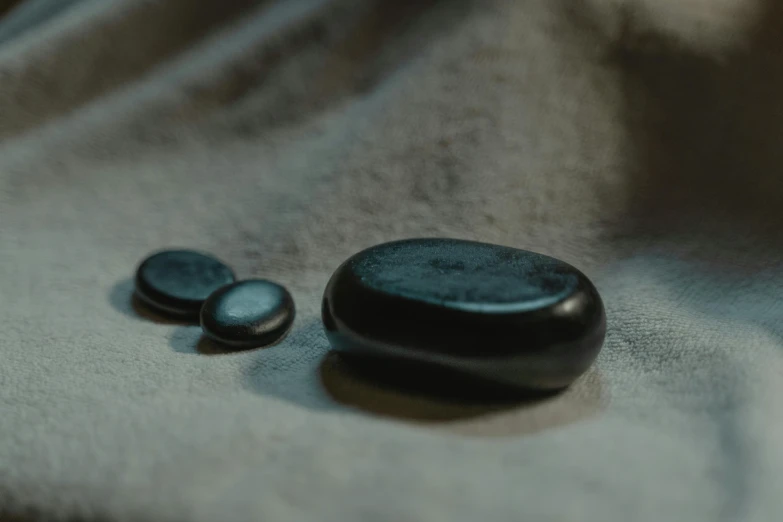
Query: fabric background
{"x": 639, "y": 140}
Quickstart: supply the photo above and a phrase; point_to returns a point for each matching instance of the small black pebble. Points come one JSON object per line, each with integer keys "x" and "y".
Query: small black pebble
{"x": 248, "y": 314}
{"x": 177, "y": 282}
{"x": 500, "y": 314}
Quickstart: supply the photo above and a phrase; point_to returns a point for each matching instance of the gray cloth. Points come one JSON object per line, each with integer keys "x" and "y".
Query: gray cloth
{"x": 639, "y": 140}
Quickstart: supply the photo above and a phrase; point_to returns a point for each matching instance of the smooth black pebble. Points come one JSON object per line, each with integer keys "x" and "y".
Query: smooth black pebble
{"x": 177, "y": 282}
{"x": 496, "y": 313}
{"x": 248, "y": 314}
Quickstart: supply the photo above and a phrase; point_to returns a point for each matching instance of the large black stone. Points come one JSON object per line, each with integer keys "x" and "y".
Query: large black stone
{"x": 499, "y": 314}
{"x": 248, "y": 314}
{"x": 177, "y": 282}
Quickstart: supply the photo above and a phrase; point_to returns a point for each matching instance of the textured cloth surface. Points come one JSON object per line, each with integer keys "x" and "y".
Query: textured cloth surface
{"x": 639, "y": 140}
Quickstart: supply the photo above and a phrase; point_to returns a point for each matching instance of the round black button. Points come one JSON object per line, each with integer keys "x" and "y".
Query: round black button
{"x": 177, "y": 282}
{"x": 248, "y": 314}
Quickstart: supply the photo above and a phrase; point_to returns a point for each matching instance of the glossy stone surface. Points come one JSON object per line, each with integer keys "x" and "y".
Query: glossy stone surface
{"x": 248, "y": 314}
{"x": 500, "y": 314}
{"x": 177, "y": 282}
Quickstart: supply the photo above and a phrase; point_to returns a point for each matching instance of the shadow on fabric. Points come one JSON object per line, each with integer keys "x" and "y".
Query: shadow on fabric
{"x": 706, "y": 161}
{"x": 705, "y": 132}
{"x": 123, "y": 299}
{"x": 441, "y": 399}
{"x": 7, "y": 5}
{"x": 304, "y": 371}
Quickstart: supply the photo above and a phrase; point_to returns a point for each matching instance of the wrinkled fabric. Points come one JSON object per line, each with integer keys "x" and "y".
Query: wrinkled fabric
{"x": 639, "y": 140}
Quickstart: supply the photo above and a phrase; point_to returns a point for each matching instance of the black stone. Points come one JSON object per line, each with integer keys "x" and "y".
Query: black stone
{"x": 248, "y": 314}
{"x": 177, "y": 282}
{"x": 499, "y": 314}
